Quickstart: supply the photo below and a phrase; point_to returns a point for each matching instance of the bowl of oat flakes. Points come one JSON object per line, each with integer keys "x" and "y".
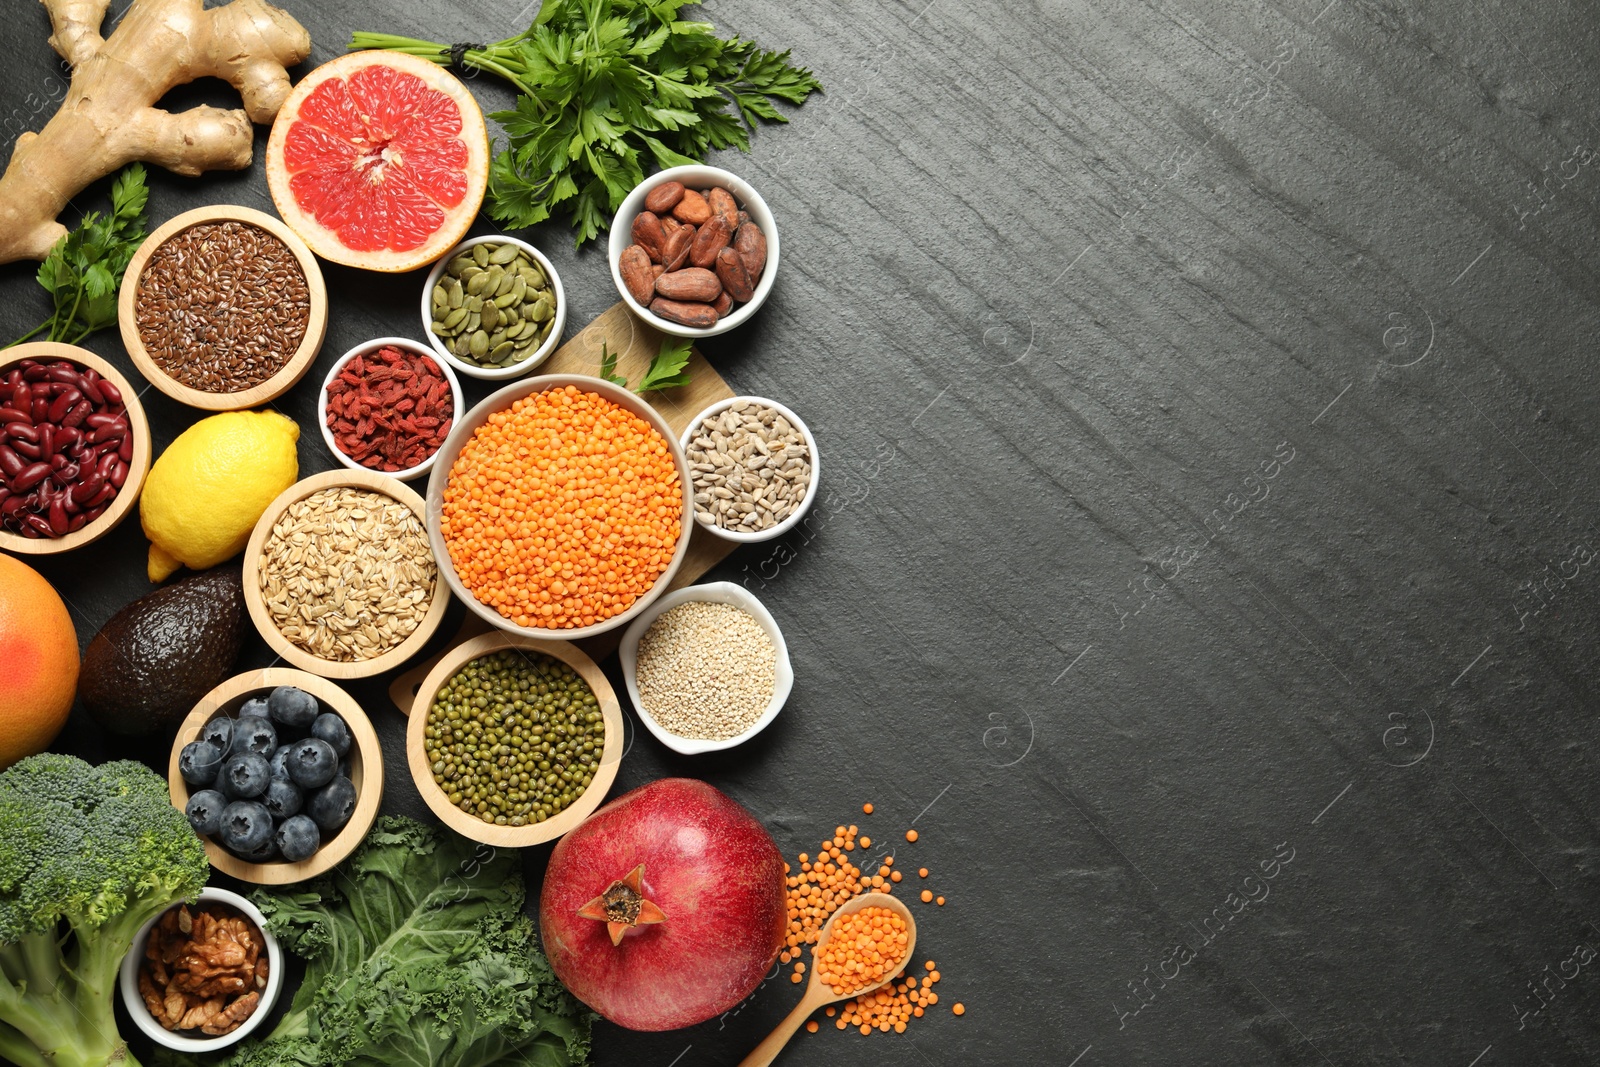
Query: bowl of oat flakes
{"x": 340, "y": 579}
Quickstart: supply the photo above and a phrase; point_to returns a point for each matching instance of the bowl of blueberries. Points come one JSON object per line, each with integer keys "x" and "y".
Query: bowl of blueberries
{"x": 279, "y": 772}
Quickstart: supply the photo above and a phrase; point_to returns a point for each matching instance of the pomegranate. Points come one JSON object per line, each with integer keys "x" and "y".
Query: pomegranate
{"x": 664, "y": 908}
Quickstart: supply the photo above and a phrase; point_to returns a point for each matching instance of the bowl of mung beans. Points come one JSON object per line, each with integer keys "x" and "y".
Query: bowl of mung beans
{"x": 493, "y": 307}
{"x": 514, "y": 741}
{"x": 558, "y": 507}
{"x": 223, "y": 308}
{"x": 753, "y": 465}
{"x": 340, "y": 577}
{"x": 706, "y": 667}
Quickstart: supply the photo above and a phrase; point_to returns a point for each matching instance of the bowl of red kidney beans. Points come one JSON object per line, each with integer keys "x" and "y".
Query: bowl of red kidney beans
{"x": 387, "y": 406}
{"x": 74, "y": 447}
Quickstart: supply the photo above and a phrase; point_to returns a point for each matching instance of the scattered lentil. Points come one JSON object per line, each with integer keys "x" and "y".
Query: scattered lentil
{"x": 562, "y": 509}
{"x": 493, "y": 306}
{"x": 347, "y": 573}
{"x": 751, "y": 468}
{"x": 222, "y": 306}
{"x": 513, "y": 738}
{"x": 706, "y": 671}
{"x": 866, "y": 809}
{"x": 911, "y": 835}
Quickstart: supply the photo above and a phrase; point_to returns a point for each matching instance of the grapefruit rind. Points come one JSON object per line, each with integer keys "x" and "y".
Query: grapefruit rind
{"x": 388, "y": 132}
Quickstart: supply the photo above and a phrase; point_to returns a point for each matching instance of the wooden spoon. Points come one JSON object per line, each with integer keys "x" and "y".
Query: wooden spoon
{"x": 818, "y": 994}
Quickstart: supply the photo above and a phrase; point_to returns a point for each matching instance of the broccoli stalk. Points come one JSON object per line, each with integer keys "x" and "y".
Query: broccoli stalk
{"x": 87, "y": 856}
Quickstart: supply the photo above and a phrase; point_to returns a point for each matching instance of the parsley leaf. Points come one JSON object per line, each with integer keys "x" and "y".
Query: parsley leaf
{"x": 608, "y": 89}
{"x": 608, "y": 367}
{"x": 667, "y": 369}
{"x": 84, "y": 269}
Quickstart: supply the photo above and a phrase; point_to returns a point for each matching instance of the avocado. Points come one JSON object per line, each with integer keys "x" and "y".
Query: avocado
{"x": 153, "y": 660}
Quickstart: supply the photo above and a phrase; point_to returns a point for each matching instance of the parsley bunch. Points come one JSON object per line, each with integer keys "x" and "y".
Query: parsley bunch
{"x": 609, "y": 88}
{"x": 84, "y": 269}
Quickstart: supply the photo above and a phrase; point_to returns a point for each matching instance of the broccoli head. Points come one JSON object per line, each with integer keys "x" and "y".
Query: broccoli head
{"x": 87, "y": 855}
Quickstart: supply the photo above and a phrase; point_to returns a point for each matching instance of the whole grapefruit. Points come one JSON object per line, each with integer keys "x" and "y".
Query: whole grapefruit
{"x": 38, "y": 662}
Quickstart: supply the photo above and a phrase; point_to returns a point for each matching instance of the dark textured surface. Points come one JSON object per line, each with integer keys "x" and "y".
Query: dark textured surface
{"x": 1207, "y": 403}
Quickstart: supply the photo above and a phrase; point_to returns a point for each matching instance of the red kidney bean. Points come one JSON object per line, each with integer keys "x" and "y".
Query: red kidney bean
{"x": 99, "y": 419}
{"x": 64, "y": 402}
{"x": 119, "y": 474}
{"x": 39, "y": 525}
{"x": 98, "y": 502}
{"x": 125, "y": 449}
{"x": 30, "y": 476}
{"x": 66, "y": 477}
{"x": 58, "y": 462}
{"x": 112, "y": 394}
{"x": 34, "y": 372}
{"x": 21, "y": 395}
{"x": 22, "y": 431}
{"x": 96, "y": 511}
{"x": 13, "y": 504}
{"x": 27, "y": 449}
{"x": 80, "y": 411}
{"x": 13, "y": 416}
{"x": 106, "y": 462}
{"x": 11, "y": 464}
{"x": 114, "y": 431}
{"x": 58, "y": 518}
{"x": 40, "y": 409}
{"x": 68, "y": 437}
{"x": 88, "y": 488}
{"x": 47, "y": 439}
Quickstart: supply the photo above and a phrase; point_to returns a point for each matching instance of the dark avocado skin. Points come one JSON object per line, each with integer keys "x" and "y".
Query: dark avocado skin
{"x": 153, "y": 660}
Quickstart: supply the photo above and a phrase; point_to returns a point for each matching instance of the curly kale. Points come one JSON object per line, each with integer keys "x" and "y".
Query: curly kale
{"x": 417, "y": 952}
{"x": 87, "y": 856}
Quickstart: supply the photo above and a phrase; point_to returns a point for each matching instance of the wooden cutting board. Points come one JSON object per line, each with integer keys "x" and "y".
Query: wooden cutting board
{"x": 636, "y": 344}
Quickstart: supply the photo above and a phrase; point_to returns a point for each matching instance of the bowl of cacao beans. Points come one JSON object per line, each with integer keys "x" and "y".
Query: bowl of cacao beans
{"x": 74, "y": 447}
{"x": 694, "y": 250}
{"x": 493, "y": 307}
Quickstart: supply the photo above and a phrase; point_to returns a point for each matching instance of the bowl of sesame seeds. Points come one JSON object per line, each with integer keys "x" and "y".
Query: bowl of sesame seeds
{"x": 223, "y": 308}
{"x": 706, "y": 667}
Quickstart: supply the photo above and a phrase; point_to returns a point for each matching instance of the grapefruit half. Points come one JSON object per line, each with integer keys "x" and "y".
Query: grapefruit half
{"x": 379, "y": 160}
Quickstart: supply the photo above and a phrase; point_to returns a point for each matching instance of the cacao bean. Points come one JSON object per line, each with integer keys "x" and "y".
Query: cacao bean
{"x": 692, "y": 284}
{"x": 751, "y": 244}
{"x": 722, "y": 203}
{"x": 676, "y": 250}
{"x": 664, "y": 197}
{"x": 695, "y": 316}
{"x": 634, "y": 266}
{"x": 734, "y": 277}
{"x": 712, "y": 238}
{"x": 723, "y": 303}
{"x": 647, "y": 233}
{"x": 693, "y": 208}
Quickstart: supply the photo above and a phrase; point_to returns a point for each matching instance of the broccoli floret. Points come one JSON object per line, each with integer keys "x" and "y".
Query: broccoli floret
{"x": 87, "y": 855}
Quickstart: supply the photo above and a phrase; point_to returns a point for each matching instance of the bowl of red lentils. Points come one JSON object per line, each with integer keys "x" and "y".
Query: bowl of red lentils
{"x": 223, "y": 308}
{"x": 559, "y": 507}
{"x": 387, "y": 405}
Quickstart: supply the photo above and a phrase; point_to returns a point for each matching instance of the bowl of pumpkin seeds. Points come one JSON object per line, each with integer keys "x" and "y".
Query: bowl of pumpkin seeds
{"x": 493, "y": 307}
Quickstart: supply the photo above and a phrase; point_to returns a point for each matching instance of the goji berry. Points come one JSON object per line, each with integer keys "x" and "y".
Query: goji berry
{"x": 389, "y": 410}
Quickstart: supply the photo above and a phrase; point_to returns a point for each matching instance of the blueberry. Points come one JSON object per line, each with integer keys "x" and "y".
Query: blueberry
{"x": 198, "y": 762}
{"x": 205, "y": 811}
{"x": 264, "y": 853}
{"x": 245, "y": 776}
{"x": 246, "y": 826}
{"x": 254, "y": 708}
{"x": 298, "y": 838}
{"x": 332, "y": 805}
{"x": 282, "y": 798}
{"x": 255, "y": 735}
{"x": 312, "y": 763}
{"x": 219, "y": 732}
{"x": 279, "y": 763}
{"x": 332, "y": 729}
{"x": 293, "y": 707}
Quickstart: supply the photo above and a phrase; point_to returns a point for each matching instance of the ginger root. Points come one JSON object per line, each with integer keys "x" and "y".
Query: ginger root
{"x": 109, "y": 118}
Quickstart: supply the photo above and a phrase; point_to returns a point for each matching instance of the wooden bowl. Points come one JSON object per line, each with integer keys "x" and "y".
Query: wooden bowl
{"x": 256, "y": 603}
{"x": 564, "y": 820}
{"x": 138, "y": 467}
{"x": 467, "y": 424}
{"x": 366, "y": 770}
{"x": 297, "y": 364}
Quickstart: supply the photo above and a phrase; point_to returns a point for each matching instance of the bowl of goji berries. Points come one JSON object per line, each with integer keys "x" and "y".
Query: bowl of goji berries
{"x": 387, "y": 406}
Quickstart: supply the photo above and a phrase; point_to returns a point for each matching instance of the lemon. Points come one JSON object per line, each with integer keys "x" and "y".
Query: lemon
{"x": 203, "y": 496}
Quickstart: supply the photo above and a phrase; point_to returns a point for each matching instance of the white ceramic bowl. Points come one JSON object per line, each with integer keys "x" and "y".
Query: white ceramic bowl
{"x": 696, "y": 176}
{"x": 540, "y": 354}
{"x": 363, "y": 349}
{"x": 798, "y": 513}
{"x": 715, "y": 593}
{"x": 463, "y": 430}
{"x": 129, "y": 982}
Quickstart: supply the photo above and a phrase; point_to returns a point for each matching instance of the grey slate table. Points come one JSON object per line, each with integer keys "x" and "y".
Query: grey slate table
{"x": 1206, "y": 562}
